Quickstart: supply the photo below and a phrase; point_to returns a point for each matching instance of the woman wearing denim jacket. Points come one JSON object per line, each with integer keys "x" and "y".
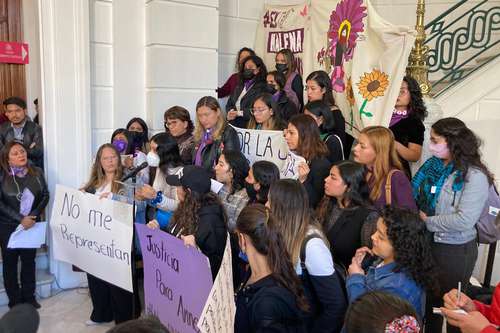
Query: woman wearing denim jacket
{"x": 405, "y": 266}
{"x": 451, "y": 189}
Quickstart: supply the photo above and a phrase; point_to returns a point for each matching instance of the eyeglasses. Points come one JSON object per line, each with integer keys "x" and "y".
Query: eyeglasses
{"x": 254, "y": 111}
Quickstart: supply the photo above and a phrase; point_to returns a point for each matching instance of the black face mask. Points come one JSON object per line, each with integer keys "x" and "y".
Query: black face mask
{"x": 138, "y": 139}
{"x": 247, "y": 74}
{"x": 252, "y": 193}
{"x": 271, "y": 89}
{"x": 281, "y": 68}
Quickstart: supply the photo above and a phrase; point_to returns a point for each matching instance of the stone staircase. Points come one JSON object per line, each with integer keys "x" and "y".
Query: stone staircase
{"x": 44, "y": 279}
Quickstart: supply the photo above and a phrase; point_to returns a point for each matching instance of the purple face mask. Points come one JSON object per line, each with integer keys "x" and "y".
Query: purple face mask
{"x": 120, "y": 145}
{"x": 440, "y": 150}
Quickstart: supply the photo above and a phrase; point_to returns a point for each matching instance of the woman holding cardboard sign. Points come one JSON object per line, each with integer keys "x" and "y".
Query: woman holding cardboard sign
{"x": 23, "y": 196}
{"x": 109, "y": 301}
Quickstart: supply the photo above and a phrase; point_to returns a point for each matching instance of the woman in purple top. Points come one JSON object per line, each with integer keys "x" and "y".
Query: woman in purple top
{"x": 388, "y": 183}
{"x": 231, "y": 83}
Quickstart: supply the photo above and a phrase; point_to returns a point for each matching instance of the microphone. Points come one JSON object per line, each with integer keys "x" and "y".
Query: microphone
{"x": 135, "y": 171}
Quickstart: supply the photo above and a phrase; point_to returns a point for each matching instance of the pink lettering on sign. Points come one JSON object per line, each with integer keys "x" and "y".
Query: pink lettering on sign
{"x": 14, "y": 53}
{"x": 293, "y": 40}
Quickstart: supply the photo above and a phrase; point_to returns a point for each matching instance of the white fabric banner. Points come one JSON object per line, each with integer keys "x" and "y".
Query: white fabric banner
{"x": 93, "y": 234}
{"x": 365, "y": 55}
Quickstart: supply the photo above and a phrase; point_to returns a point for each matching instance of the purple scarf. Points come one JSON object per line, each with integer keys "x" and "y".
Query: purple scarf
{"x": 397, "y": 116}
{"x": 206, "y": 140}
{"x": 276, "y": 96}
{"x": 19, "y": 171}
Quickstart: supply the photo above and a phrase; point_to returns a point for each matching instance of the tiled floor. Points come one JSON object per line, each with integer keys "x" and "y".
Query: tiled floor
{"x": 66, "y": 312}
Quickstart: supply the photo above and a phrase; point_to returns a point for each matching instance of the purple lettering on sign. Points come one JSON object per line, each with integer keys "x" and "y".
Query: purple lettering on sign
{"x": 293, "y": 40}
{"x": 177, "y": 279}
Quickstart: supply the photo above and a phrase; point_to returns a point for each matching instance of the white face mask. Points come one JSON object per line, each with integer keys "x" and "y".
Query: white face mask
{"x": 153, "y": 159}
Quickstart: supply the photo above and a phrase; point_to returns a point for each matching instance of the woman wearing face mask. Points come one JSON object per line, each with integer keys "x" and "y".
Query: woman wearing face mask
{"x": 319, "y": 88}
{"x": 310, "y": 254}
{"x": 405, "y": 267}
{"x": 177, "y": 122}
{"x": 261, "y": 176}
{"x": 323, "y": 117}
{"x": 265, "y": 114}
{"x": 231, "y": 170}
{"x": 302, "y": 137}
{"x": 271, "y": 299}
{"x": 275, "y": 85}
{"x": 345, "y": 212}
{"x": 407, "y": 122}
{"x": 231, "y": 83}
{"x": 164, "y": 160}
{"x": 139, "y": 131}
{"x": 285, "y": 63}
{"x": 451, "y": 189}
{"x": 388, "y": 184}
{"x": 253, "y": 74}
{"x": 212, "y": 134}
{"x": 23, "y": 197}
{"x": 131, "y": 157}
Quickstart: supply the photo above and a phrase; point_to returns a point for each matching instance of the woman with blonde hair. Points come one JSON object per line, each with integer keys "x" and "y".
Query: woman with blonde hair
{"x": 388, "y": 183}
{"x": 212, "y": 134}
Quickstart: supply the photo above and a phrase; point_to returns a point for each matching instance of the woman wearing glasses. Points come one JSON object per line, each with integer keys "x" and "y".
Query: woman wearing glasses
{"x": 178, "y": 124}
{"x": 265, "y": 114}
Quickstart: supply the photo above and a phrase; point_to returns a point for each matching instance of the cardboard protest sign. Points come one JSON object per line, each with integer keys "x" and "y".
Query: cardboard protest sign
{"x": 218, "y": 313}
{"x": 177, "y": 279}
{"x": 93, "y": 234}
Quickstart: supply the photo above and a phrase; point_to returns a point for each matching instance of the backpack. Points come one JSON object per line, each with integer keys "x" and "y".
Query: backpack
{"x": 488, "y": 226}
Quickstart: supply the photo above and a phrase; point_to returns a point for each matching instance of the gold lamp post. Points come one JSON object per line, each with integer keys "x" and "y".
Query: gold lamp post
{"x": 417, "y": 62}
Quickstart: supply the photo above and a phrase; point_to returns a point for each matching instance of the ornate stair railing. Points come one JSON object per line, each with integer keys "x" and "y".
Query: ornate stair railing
{"x": 460, "y": 41}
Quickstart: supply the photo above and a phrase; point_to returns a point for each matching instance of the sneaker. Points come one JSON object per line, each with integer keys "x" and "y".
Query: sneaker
{"x": 90, "y": 322}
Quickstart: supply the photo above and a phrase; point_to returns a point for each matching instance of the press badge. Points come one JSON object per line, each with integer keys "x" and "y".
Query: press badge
{"x": 433, "y": 189}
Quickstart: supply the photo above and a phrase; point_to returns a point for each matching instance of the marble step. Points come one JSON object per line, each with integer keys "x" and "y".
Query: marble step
{"x": 44, "y": 282}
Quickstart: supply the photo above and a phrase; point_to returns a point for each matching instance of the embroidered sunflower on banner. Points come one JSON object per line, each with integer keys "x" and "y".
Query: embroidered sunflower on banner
{"x": 372, "y": 85}
{"x": 346, "y": 23}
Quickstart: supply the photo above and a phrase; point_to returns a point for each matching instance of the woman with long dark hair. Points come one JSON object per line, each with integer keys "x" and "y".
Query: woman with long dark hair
{"x": 252, "y": 76}
{"x": 294, "y": 88}
{"x": 407, "y": 122}
{"x": 139, "y": 131}
{"x": 231, "y": 83}
{"x": 346, "y": 212}
{"x": 260, "y": 177}
{"x": 275, "y": 84}
{"x": 451, "y": 190}
{"x": 130, "y": 153}
{"x": 405, "y": 266}
{"x": 302, "y": 137}
{"x": 271, "y": 299}
{"x": 265, "y": 114}
{"x": 310, "y": 255}
{"x": 178, "y": 124}
{"x": 20, "y": 183}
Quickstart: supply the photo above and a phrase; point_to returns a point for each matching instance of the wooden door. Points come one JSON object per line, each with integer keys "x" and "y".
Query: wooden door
{"x": 12, "y": 76}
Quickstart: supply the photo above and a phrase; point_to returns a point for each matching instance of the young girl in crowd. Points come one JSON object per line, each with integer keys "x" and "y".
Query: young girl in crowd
{"x": 252, "y": 83}
{"x": 275, "y": 84}
{"x": 109, "y": 301}
{"x": 345, "y": 212}
{"x": 163, "y": 160}
{"x": 407, "y": 122}
{"x": 319, "y": 88}
{"x": 294, "y": 89}
{"x": 131, "y": 155}
{"x": 381, "y": 312}
{"x": 271, "y": 299}
{"x": 231, "y": 83}
{"x": 212, "y": 134}
{"x": 231, "y": 170}
{"x": 199, "y": 219}
{"x": 451, "y": 189}
{"x": 178, "y": 123}
{"x": 310, "y": 255}
{"x": 19, "y": 181}
{"x": 388, "y": 184}
{"x": 302, "y": 137}
{"x": 323, "y": 117}
{"x": 261, "y": 176}
{"x": 265, "y": 114}
{"x": 406, "y": 266}
{"x": 139, "y": 131}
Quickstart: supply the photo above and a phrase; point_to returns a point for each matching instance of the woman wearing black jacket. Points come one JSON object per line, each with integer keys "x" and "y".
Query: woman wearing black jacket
{"x": 252, "y": 83}
{"x": 271, "y": 298}
{"x": 199, "y": 219}
{"x": 345, "y": 212}
{"x": 302, "y": 137}
{"x": 275, "y": 84}
{"x": 212, "y": 134}
{"x": 310, "y": 255}
{"x": 18, "y": 182}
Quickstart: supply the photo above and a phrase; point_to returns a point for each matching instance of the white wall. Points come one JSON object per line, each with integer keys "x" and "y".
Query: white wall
{"x": 31, "y": 36}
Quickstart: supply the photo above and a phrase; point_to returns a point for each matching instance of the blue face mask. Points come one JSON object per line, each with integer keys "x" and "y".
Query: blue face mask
{"x": 243, "y": 256}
